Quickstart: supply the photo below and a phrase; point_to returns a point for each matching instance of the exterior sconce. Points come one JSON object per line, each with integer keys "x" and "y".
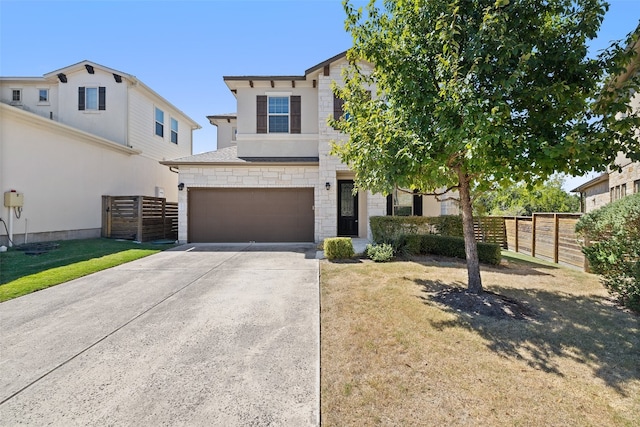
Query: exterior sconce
{"x": 327, "y": 186}
{"x": 181, "y": 186}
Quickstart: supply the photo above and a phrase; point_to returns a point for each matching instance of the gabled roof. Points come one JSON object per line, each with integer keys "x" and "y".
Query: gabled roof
{"x": 597, "y": 180}
{"x": 307, "y": 72}
{"x": 60, "y": 75}
{"x": 222, "y": 117}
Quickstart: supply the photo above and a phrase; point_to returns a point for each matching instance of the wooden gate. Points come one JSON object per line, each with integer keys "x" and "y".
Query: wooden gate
{"x": 139, "y": 218}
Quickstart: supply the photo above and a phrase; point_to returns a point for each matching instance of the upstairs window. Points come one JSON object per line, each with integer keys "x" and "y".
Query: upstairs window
{"x": 16, "y": 95}
{"x": 174, "y": 131}
{"x": 159, "y": 122}
{"x": 43, "y": 95}
{"x": 279, "y": 114}
{"x": 92, "y": 98}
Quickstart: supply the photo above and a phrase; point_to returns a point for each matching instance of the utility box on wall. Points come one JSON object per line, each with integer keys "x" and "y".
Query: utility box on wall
{"x": 13, "y": 199}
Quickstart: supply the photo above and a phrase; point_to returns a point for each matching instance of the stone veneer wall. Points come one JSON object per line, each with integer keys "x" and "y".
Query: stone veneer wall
{"x": 629, "y": 174}
{"x": 246, "y": 177}
{"x": 331, "y": 166}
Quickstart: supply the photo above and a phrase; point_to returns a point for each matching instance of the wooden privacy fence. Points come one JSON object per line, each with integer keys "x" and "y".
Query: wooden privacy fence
{"x": 139, "y": 218}
{"x": 490, "y": 229}
{"x": 548, "y": 236}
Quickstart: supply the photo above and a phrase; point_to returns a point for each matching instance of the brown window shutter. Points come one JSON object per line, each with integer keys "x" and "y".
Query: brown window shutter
{"x": 102, "y": 95}
{"x": 390, "y": 205}
{"x": 81, "y": 98}
{"x": 417, "y": 204}
{"x": 261, "y": 116}
{"x": 338, "y": 107}
{"x": 296, "y": 117}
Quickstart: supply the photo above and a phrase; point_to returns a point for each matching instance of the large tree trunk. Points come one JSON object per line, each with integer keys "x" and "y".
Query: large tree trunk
{"x": 470, "y": 246}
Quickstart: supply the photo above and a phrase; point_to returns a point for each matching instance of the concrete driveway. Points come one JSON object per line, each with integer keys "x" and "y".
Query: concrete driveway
{"x": 196, "y": 336}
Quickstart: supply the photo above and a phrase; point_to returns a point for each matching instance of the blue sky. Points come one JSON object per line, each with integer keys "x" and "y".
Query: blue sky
{"x": 181, "y": 49}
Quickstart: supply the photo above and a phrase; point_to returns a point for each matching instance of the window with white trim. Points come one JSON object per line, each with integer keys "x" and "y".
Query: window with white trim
{"x": 278, "y": 114}
{"x": 16, "y": 95}
{"x": 636, "y": 186}
{"x": 159, "y": 122}
{"x": 174, "y": 130}
{"x": 402, "y": 203}
{"x": 43, "y": 96}
{"x": 92, "y": 98}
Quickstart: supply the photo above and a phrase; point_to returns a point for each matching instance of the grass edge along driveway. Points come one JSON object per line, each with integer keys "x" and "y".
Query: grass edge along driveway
{"x": 392, "y": 355}
{"x": 23, "y": 274}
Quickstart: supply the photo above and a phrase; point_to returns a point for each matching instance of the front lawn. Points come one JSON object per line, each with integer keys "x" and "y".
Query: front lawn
{"x": 21, "y": 274}
{"x": 392, "y": 355}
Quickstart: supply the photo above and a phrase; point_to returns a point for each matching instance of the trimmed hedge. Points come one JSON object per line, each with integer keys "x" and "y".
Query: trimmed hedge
{"x": 488, "y": 253}
{"x": 338, "y": 248}
{"x": 389, "y": 229}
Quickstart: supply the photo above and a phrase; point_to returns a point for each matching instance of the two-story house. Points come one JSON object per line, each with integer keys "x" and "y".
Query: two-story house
{"x": 625, "y": 180}
{"x": 272, "y": 177}
{"x": 78, "y": 133}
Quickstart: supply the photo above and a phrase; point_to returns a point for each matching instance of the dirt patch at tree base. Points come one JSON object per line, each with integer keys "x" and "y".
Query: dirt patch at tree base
{"x": 485, "y": 304}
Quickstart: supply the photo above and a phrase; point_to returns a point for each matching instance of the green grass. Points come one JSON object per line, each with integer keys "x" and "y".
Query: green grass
{"x": 21, "y": 274}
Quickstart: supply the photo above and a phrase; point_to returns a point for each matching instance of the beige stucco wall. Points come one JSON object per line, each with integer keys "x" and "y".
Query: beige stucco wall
{"x": 63, "y": 173}
{"x": 225, "y": 133}
{"x": 596, "y": 196}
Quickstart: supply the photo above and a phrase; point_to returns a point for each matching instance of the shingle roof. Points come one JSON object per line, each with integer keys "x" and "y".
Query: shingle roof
{"x": 230, "y": 155}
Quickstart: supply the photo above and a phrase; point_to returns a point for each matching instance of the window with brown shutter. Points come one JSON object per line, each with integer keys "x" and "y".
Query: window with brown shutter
{"x": 261, "y": 114}
{"x": 102, "y": 98}
{"x": 81, "y": 98}
{"x": 296, "y": 117}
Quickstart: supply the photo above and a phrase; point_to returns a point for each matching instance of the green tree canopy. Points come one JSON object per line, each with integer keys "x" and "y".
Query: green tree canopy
{"x": 521, "y": 199}
{"x": 473, "y": 93}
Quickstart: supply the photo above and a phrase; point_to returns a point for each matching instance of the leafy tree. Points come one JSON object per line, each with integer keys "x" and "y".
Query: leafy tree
{"x": 520, "y": 199}
{"x": 471, "y": 93}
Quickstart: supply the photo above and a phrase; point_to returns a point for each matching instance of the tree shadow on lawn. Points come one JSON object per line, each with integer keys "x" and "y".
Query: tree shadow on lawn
{"x": 589, "y": 330}
{"x": 509, "y": 265}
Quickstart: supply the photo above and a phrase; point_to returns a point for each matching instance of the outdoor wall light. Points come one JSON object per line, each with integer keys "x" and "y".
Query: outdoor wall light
{"x": 327, "y": 186}
{"x": 181, "y": 186}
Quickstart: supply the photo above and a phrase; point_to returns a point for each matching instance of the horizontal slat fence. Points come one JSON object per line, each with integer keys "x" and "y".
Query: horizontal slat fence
{"x": 491, "y": 229}
{"x": 548, "y": 236}
{"x": 139, "y": 218}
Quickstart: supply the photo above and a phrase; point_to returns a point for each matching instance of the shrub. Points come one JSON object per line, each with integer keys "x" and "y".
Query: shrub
{"x": 380, "y": 253}
{"x": 412, "y": 244}
{"x": 452, "y": 246}
{"x": 338, "y": 248}
{"x": 614, "y": 251}
{"x": 390, "y": 229}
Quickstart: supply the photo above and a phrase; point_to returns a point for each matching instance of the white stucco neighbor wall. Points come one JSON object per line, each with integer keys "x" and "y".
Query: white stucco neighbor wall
{"x": 239, "y": 176}
{"x": 63, "y": 173}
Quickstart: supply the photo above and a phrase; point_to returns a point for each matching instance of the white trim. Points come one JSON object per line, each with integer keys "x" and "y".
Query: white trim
{"x": 278, "y": 93}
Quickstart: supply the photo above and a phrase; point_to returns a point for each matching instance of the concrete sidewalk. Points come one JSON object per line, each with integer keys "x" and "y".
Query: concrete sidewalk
{"x": 201, "y": 335}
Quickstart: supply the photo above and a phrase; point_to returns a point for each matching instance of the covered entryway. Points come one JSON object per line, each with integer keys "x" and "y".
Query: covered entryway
{"x": 250, "y": 215}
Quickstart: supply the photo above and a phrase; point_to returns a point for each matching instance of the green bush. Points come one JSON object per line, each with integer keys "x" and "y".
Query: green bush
{"x": 612, "y": 236}
{"x": 390, "y": 229}
{"x": 452, "y": 246}
{"x": 338, "y": 248}
{"x": 412, "y": 244}
{"x": 380, "y": 253}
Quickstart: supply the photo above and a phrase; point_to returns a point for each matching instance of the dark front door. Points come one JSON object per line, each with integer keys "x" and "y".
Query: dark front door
{"x": 347, "y": 209}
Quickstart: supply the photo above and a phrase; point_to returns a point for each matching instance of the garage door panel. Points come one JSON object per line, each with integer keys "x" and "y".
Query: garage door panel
{"x": 250, "y": 214}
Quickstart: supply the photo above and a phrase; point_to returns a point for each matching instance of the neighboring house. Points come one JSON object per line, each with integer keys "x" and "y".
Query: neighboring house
{"x": 273, "y": 177}
{"x": 614, "y": 184}
{"x": 76, "y": 134}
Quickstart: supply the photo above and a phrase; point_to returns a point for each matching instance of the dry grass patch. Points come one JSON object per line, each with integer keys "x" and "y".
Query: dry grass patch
{"x": 391, "y": 355}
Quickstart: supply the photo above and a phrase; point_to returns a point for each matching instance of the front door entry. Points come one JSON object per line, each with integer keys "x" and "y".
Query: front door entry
{"x": 347, "y": 209}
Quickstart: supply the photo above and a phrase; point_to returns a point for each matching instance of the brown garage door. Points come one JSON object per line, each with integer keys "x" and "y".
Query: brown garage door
{"x": 250, "y": 215}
